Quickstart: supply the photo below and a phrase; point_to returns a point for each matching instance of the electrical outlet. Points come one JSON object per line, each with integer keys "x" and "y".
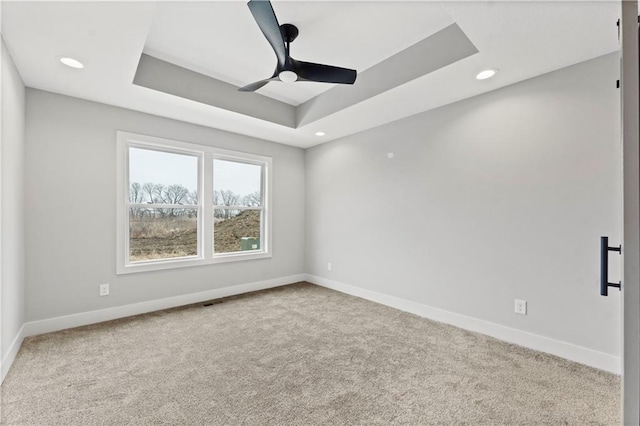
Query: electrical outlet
{"x": 329, "y": 266}
{"x": 521, "y": 307}
{"x": 104, "y": 289}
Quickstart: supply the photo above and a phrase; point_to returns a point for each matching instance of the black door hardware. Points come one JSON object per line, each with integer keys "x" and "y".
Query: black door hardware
{"x": 604, "y": 266}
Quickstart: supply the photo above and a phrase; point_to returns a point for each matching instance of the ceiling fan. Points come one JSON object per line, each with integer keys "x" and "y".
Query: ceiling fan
{"x": 287, "y": 68}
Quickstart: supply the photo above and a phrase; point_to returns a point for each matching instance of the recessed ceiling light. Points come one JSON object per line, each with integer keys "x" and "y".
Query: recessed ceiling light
{"x": 320, "y": 133}
{"x": 70, "y": 62}
{"x": 483, "y": 75}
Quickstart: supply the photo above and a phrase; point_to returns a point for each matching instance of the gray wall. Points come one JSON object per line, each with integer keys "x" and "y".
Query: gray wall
{"x": 71, "y": 215}
{"x": 497, "y": 197}
{"x": 494, "y": 198}
{"x": 12, "y": 212}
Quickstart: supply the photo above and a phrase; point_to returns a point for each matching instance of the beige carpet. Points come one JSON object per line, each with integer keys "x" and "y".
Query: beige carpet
{"x": 299, "y": 355}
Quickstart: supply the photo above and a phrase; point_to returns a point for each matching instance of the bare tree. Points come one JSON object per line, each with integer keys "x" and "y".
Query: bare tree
{"x": 225, "y": 197}
{"x": 135, "y": 193}
{"x": 153, "y": 192}
{"x": 136, "y": 196}
{"x": 157, "y": 193}
{"x": 192, "y": 198}
{"x": 252, "y": 200}
{"x": 176, "y": 194}
{"x": 229, "y": 198}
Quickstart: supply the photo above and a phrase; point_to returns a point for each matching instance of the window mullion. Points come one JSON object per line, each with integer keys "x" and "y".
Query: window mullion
{"x": 207, "y": 205}
{"x": 162, "y": 206}
{"x": 237, "y": 207}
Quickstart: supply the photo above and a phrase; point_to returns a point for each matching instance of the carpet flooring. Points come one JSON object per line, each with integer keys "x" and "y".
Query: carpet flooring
{"x": 299, "y": 354}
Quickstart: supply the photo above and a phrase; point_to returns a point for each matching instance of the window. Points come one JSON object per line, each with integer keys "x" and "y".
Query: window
{"x": 238, "y": 206}
{"x": 182, "y": 204}
{"x": 163, "y": 204}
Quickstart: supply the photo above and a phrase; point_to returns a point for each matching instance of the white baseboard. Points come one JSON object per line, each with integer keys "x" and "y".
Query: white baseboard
{"x": 92, "y": 317}
{"x": 6, "y": 362}
{"x": 537, "y": 342}
{"x": 566, "y": 350}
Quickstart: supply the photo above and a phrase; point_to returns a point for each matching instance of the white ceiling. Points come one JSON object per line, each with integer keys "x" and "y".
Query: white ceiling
{"x": 345, "y": 34}
{"x": 221, "y": 40}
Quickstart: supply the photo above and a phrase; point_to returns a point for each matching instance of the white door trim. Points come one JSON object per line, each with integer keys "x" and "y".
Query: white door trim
{"x": 631, "y": 244}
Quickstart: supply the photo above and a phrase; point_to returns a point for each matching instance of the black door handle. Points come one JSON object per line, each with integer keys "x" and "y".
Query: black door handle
{"x": 604, "y": 266}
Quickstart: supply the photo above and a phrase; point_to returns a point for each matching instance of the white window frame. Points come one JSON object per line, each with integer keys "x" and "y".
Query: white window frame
{"x": 205, "y": 154}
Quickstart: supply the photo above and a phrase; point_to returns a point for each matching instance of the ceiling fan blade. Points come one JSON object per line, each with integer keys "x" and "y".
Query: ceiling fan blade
{"x": 255, "y": 86}
{"x": 265, "y": 17}
{"x": 324, "y": 73}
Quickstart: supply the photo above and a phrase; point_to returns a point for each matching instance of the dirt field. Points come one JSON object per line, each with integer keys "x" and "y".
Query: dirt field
{"x": 227, "y": 234}
{"x": 163, "y": 238}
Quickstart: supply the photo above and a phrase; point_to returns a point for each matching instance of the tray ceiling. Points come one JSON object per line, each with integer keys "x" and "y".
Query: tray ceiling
{"x": 220, "y": 43}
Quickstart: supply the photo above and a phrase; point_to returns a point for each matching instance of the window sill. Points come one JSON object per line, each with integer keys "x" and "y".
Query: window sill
{"x": 162, "y": 265}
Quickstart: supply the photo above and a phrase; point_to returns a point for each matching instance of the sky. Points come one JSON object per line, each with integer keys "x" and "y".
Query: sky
{"x": 241, "y": 178}
{"x": 168, "y": 168}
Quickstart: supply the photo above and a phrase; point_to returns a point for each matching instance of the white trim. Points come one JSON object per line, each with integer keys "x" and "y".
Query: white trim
{"x": 537, "y": 342}
{"x": 85, "y": 318}
{"x": 8, "y": 359}
{"x": 215, "y": 207}
{"x": 163, "y": 206}
{"x": 207, "y": 214}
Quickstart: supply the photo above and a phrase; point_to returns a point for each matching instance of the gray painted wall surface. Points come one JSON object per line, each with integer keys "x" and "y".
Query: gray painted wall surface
{"x": 494, "y": 198}
{"x": 12, "y": 215}
{"x": 71, "y": 187}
